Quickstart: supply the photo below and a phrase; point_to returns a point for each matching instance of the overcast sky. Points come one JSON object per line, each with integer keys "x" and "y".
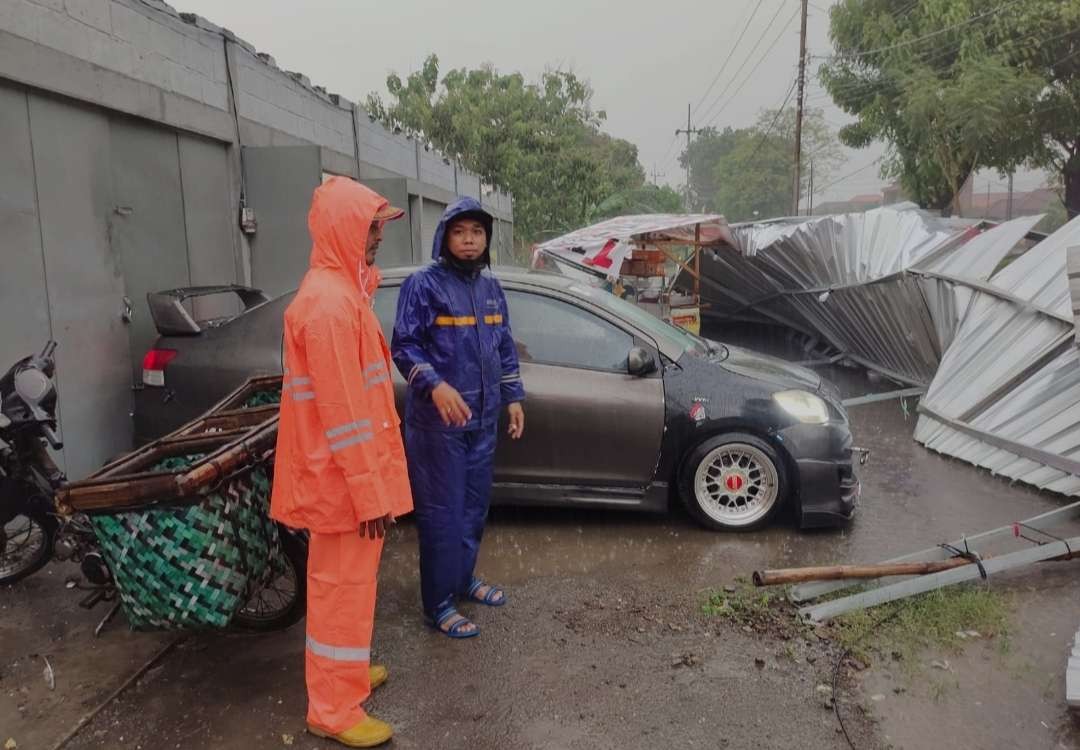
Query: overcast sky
{"x": 646, "y": 60}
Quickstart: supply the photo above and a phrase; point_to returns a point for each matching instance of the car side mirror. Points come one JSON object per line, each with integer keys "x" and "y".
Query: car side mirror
{"x": 640, "y": 362}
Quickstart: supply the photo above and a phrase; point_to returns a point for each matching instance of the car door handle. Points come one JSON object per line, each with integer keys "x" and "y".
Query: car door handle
{"x": 128, "y": 313}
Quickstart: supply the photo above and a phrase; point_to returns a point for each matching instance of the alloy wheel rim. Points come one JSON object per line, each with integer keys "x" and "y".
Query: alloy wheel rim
{"x": 736, "y": 484}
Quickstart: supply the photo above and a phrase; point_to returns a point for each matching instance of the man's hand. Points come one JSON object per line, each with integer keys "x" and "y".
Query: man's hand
{"x": 517, "y": 421}
{"x": 377, "y": 527}
{"x": 452, "y": 407}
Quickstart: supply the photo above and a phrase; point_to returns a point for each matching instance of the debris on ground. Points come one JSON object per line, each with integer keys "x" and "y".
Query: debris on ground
{"x": 49, "y": 675}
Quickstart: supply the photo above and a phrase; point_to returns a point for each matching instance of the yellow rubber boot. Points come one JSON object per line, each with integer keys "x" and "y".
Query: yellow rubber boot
{"x": 368, "y": 733}
{"x": 378, "y": 675}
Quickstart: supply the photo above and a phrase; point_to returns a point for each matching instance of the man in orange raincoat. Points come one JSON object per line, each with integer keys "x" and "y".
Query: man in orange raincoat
{"x": 340, "y": 467}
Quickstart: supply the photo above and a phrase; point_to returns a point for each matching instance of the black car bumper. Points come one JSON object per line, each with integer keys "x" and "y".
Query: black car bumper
{"x": 826, "y": 486}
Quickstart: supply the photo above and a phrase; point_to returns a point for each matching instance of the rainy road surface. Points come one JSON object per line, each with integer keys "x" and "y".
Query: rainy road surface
{"x": 603, "y": 643}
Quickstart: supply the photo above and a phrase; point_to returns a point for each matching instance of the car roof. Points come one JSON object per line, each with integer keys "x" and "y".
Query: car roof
{"x": 511, "y": 274}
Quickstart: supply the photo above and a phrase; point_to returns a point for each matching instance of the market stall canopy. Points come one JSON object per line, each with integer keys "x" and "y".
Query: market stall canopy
{"x": 603, "y": 247}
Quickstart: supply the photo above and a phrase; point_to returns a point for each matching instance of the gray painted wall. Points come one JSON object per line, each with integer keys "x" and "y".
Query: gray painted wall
{"x": 120, "y": 173}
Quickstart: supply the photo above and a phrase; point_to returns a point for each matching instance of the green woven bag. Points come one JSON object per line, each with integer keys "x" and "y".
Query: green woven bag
{"x": 194, "y": 566}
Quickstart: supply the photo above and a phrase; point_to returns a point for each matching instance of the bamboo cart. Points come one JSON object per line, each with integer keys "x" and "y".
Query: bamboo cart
{"x": 183, "y": 523}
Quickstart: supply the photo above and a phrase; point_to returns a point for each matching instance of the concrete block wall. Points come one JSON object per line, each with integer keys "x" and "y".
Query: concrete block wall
{"x": 435, "y": 171}
{"x": 272, "y": 98}
{"x": 143, "y": 42}
{"x": 144, "y": 58}
{"x": 385, "y": 150}
{"x": 468, "y": 183}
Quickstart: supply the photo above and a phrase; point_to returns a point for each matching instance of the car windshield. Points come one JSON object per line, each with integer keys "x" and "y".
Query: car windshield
{"x": 652, "y": 325}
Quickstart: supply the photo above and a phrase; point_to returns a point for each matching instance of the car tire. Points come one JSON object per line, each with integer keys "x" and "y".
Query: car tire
{"x": 285, "y": 610}
{"x": 733, "y": 482}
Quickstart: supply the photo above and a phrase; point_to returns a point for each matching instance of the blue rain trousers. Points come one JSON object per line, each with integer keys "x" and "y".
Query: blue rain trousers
{"x": 451, "y": 494}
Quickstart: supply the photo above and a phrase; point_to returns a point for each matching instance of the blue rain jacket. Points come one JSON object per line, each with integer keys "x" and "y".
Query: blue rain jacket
{"x": 453, "y": 326}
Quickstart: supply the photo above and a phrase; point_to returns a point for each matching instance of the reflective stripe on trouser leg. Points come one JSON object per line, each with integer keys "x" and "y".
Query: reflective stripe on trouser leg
{"x": 437, "y": 463}
{"x": 478, "y": 475}
{"x": 342, "y": 571}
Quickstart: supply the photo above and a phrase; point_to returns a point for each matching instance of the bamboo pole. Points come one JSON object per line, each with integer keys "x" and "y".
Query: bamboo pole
{"x": 782, "y": 576}
{"x": 841, "y": 572}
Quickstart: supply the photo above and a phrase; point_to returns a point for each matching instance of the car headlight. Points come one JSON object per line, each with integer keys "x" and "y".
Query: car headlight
{"x": 805, "y": 407}
{"x": 32, "y": 385}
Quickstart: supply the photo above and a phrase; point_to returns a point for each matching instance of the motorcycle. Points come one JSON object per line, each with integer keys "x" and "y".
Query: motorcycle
{"x": 32, "y": 532}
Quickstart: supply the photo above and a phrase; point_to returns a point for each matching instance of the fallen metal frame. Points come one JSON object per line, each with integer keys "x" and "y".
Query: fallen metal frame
{"x": 874, "y": 398}
{"x": 885, "y": 590}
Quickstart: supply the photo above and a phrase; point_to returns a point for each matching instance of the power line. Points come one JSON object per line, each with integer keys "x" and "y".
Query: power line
{"x": 868, "y": 86}
{"x": 757, "y": 44}
{"x": 924, "y": 37}
{"x": 775, "y": 119}
{"x": 849, "y": 175}
{"x": 731, "y": 52}
{"x": 753, "y": 70}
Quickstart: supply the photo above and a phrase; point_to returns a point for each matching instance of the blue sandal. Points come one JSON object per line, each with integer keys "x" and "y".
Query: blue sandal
{"x": 454, "y": 631}
{"x": 490, "y": 598}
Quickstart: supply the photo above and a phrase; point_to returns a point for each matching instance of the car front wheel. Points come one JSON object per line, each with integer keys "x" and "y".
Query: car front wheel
{"x": 733, "y": 482}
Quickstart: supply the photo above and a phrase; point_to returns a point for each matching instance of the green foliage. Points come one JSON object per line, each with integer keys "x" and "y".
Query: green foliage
{"x": 647, "y": 199}
{"x": 541, "y": 141}
{"x": 747, "y": 173}
{"x": 956, "y": 85}
{"x": 903, "y": 629}
{"x": 744, "y": 605}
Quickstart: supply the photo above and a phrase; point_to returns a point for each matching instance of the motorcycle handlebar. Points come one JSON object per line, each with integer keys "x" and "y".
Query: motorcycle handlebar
{"x": 52, "y": 437}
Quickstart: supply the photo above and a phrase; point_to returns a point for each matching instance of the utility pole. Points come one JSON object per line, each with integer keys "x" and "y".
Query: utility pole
{"x": 1009, "y": 211}
{"x": 689, "y": 132}
{"x": 810, "y": 191}
{"x": 799, "y": 111}
{"x": 656, "y": 175}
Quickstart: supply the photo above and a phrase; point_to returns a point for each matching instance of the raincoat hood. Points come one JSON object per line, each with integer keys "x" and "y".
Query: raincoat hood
{"x": 459, "y": 208}
{"x": 339, "y": 220}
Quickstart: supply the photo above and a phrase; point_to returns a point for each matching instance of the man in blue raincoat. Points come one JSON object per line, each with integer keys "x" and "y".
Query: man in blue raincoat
{"x": 452, "y": 343}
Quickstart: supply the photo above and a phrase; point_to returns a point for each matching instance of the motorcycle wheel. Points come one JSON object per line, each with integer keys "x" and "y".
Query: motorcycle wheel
{"x": 26, "y": 545}
{"x": 283, "y": 601}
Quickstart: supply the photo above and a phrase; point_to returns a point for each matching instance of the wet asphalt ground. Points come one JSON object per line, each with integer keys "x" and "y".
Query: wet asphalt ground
{"x": 603, "y": 644}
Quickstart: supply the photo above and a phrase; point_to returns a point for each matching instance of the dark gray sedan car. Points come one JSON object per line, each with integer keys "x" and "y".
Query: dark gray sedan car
{"x": 624, "y": 410}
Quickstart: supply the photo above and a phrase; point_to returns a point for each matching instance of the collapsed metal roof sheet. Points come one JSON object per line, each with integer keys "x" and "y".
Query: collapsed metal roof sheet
{"x": 1007, "y": 394}
{"x": 885, "y": 287}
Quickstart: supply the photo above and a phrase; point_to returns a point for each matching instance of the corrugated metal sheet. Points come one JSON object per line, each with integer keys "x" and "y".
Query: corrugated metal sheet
{"x": 1007, "y": 394}
{"x": 886, "y": 287}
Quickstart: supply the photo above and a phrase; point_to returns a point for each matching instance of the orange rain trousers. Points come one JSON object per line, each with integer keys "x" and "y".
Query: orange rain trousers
{"x": 342, "y": 570}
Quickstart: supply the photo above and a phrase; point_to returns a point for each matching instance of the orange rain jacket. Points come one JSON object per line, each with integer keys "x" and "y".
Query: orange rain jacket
{"x": 340, "y": 459}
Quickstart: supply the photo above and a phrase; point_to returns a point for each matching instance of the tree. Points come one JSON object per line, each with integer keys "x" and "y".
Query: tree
{"x": 956, "y": 85}
{"x": 647, "y": 199}
{"x": 541, "y": 141}
{"x": 747, "y": 173}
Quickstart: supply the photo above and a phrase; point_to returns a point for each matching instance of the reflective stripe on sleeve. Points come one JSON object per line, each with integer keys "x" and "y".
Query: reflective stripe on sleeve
{"x": 377, "y": 380}
{"x": 417, "y": 369}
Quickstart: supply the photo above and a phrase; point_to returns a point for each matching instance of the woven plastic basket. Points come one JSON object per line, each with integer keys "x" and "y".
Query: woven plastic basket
{"x": 184, "y": 523}
{"x": 193, "y": 567}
